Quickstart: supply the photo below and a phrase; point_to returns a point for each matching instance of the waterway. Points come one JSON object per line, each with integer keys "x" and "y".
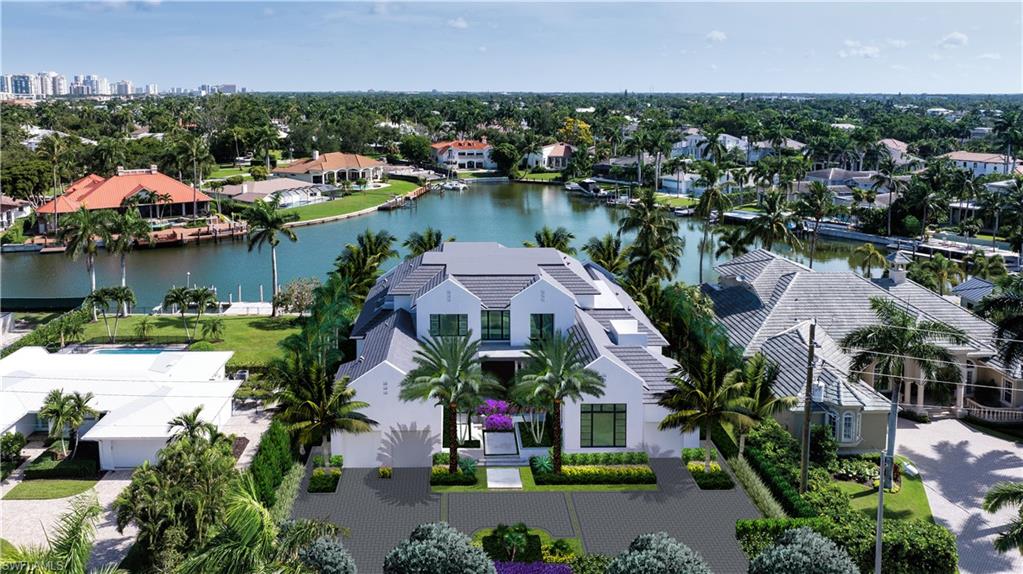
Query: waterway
{"x": 507, "y": 213}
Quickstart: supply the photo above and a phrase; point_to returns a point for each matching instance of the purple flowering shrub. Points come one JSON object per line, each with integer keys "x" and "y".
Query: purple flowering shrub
{"x": 498, "y": 422}
{"x": 531, "y": 568}
{"x": 493, "y": 407}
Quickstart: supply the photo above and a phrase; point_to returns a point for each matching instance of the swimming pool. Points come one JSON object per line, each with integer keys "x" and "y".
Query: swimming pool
{"x": 127, "y": 351}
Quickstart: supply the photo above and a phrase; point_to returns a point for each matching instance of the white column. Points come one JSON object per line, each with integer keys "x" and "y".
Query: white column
{"x": 920, "y": 395}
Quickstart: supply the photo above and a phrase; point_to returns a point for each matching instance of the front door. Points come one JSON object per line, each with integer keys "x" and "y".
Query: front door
{"x": 503, "y": 371}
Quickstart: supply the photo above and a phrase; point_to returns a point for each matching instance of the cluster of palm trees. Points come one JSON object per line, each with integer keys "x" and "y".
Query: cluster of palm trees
{"x": 182, "y": 299}
{"x": 66, "y": 412}
{"x": 122, "y": 299}
{"x": 119, "y": 232}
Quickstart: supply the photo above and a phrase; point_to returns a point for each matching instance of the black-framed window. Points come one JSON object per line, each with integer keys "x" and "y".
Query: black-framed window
{"x": 602, "y": 425}
{"x": 495, "y": 325}
{"x": 541, "y": 325}
{"x": 449, "y": 325}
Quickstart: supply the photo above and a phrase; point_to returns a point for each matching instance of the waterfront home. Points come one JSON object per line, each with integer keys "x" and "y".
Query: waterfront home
{"x": 136, "y": 394}
{"x": 11, "y": 209}
{"x": 36, "y": 135}
{"x": 979, "y": 163}
{"x": 288, "y": 190}
{"x": 691, "y": 144}
{"x": 154, "y": 193}
{"x": 760, "y": 296}
{"x": 463, "y": 154}
{"x": 622, "y": 167}
{"x": 505, "y": 297}
{"x": 972, "y": 291}
{"x": 553, "y": 157}
{"x": 333, "y": 167}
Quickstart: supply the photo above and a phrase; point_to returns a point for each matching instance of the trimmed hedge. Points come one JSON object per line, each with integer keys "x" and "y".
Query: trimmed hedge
{"x": 605, "y": 458}
{"x": 723, "y": 441}
{"x": 46, "y": 466}
{"x": 591, "y": 474}
{"x": 495, "y": 549}
{"x": 439, "y": 476}
{"x": 756, "y": 489}
{"x": 716, "y": 479}
{"x": 779, "y": 485}
{"x": 271, "y": 462}
{"x": 698, "y": 455}
{"x": 48, "y": 335}
{"x": 324, "y": 479}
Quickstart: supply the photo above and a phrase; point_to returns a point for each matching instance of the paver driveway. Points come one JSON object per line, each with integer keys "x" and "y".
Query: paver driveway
{"x": 381, "y": 513}
{"x": 959, "y": 464}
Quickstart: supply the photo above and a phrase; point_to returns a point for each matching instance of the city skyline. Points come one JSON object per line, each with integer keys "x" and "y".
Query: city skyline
{"x": 564, "y": 47}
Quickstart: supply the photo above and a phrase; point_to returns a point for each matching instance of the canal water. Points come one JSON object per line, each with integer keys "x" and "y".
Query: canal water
{"x": 506, "y": 213}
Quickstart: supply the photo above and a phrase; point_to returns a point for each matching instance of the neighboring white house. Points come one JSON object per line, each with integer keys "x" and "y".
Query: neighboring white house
{"x": 505, "y": 296}
{"x": 11, "y": 209}
{"x": 899, "y": 152}
{"x": 36, "y": 135}
{"x": 552, "y": 156}
{"x": 690, "y": 144}
{"x": 136, "y": 395}
{"x": 463, "y": 154}
{"x": 984, "y": 163}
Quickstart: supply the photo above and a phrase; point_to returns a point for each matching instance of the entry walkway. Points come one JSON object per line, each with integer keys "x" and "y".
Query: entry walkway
{"x": 959, "y": 465}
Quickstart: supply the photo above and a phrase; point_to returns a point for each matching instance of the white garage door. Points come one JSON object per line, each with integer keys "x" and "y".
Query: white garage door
{"x": 131, "y": 453}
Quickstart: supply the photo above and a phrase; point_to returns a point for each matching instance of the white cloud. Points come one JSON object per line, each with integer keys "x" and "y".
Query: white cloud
{"x": 897, "y": 43}
{"x": 990, "y": 56}
{"x": 954, "y": 40}
{"x": 458, "y": 23}
{"x": 856, "y": 49}
{"x": 716, "y": 36}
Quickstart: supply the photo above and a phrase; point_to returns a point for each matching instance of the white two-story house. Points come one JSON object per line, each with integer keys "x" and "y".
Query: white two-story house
{"x": 984, "y": 163}
{"x": 505, "y": 297}
{"x": 463, "y": 154}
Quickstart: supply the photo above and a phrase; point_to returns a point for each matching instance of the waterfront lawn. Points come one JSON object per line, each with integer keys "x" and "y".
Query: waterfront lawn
{"x": 909, "y": 502}
{"x": 473, "y": 174}
{"x": 675, "y": 201}
{"x": 253, "y": 339}
{"x": 355, "y": 201}
{"x": 549, "y": 176}
{"x": 47, "y": 489}
{"x": 228, "y": 170}
{"x": 35, "y": 319}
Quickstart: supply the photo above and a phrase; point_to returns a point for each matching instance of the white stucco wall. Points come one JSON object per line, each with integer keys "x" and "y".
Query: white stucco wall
{"x": 449, "y": 297}
{"x": 128, "y": 453}
{"x": 540, "y": 297}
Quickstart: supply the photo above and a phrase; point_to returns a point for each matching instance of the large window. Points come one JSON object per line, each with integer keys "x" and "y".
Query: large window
{"x": 495, "y": 325}
{"x": 1006, "y": 390}
{"x": 541, "y": 325}
{"x": 848, "y": 427}
{"x": 449, "y": 325}
{"x": 602, "y": 425}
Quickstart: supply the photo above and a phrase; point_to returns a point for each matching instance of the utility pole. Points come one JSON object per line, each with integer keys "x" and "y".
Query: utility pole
{"x": 807, "y": 402}
{"x": 887, "y": 468}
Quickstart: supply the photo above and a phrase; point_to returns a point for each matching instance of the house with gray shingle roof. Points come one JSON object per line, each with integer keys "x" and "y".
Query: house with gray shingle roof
{"x": 761, "y": 296}
{"x": 505, "y": 297}
{"x": 971, "y": 291}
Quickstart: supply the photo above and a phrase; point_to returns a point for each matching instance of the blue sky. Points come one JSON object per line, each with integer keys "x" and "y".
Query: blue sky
{"x": 909, "y": 47}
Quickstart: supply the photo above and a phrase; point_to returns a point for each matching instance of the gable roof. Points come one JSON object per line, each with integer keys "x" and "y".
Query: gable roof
{"x": 974, "y": 289}
{"x": 330, "y": 161}
{"x": 95, "y": 192}
{"x": 391, "y": 339}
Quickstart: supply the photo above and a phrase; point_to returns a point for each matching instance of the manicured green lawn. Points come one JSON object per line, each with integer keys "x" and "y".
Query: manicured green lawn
{"x": 46, "y": 489}
{"x": 542, "y": 176}
{"x": 472, "y": 174}
{"x": 545, "y": 538}
{"x": 228, "y": 171}
{"x": 909, "y": 502}
{"x": 253, "y": 339}
{"x": 36, "y": 318}
{"x": 481, "y": 484}
{"x": 356, "y": 201}
{"x": 673, "y": 201}
{"x": 528, "y": 485}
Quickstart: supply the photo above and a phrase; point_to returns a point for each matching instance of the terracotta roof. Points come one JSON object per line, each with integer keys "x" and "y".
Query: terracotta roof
{"x": 330, "y": 161}
{"x": 460, "y": 144}
{"x": 560, "y": 150}
{"x": 975, "y": 156}
{"x": 95, "y": 192}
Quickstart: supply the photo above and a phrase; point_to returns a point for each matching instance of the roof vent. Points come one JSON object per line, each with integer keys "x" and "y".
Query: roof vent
{"x": 316, "y": 154}
{"x": 626, "y": 333}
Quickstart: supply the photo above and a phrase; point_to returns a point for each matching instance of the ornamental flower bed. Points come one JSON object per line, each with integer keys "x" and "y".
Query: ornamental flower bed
{"x": 591, "y": 473}
{"x": 531, "y": 568}
{"x": 496, "y": 415}
{"x": 498, "y": 423}
{"x": 493, "y": 407}
{"x": 439, "y": 475}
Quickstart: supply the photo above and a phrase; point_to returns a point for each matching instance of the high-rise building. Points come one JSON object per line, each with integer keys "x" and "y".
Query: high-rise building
{"x": 124, "y": 88}
{"x": 5, "y": 83}
{"x": 152, "y": 90}
{"x": 44, "y": 85}
{"x": 227, "y": 88}
{"x": 23, "y": 84}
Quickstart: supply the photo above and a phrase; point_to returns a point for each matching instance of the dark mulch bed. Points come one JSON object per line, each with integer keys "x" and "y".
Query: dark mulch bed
{"x": 239, "y": 447}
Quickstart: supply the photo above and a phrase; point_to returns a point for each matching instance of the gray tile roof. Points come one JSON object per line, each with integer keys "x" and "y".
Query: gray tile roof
{"x": 391, "y": 339}
{"x": 372, "y": 309}
{"x": 570, "y": 280}
{"x": 934, "y": 306}
{"x": 413, "y": 280}
{"x": 495, "y": 291}
{"x": 739, "y": 310}
{"x": 652, "y": 370}
{"x": 605, "y": 316}
{"x": 973, "y": 289}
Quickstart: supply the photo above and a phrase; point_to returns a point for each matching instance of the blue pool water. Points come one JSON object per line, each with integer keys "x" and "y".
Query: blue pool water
{"x": 128, "y": 351}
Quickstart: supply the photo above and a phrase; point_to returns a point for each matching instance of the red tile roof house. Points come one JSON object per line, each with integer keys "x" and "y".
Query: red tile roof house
{"x": 332, "y": 167}
{"x": 463, "y": 154}
{"x": 551, "y": 156}
{"x": 984, "y": 163}
{"x": 155, "y": 194}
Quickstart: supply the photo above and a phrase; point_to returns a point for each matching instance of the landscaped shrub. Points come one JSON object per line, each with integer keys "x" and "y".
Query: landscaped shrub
{"x": 755, "y": 536}
{"x": 558, "y": 552}
{"x": 46, "y": 466}
{"x": 716, "y": 479}
{"x": 439, "y": 476}
{"x": 531, "y": 568}
{"x": 779, "y": 484}
{"x": 324, "y": 479}
{"x": 48, "y": 335}
{"x": 803, "y": 551}
{"x": 823, "y": 446}
{"x": 605, "y": 458}
{"x": 496, "y": 546}
{"x": 590, "y": 564}
{"x": 437, "y": 547}
{"x": 234, "y": 180}
{"x": 658, "y": 554}
{"x": 11, "y": 445}
{"x": 756, "y": 489}
{"x": 857, "y": 469}
{"x": 271, "y": 462}
{"x": 915, "y": 416}
{"x": 327, "y": 555}
{"x": 385, "y": 472}
{"x": 498, "y": 422}
{"x": 593, "y": 474}
{"x": 201, "y": 346}
{"x": 697, "y": 454}
{"x": 287, "y": 492}
{"x": 724, "y": 442}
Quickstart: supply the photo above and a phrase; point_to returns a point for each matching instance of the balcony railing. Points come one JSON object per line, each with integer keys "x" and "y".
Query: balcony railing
{"x": 993, "y": 414}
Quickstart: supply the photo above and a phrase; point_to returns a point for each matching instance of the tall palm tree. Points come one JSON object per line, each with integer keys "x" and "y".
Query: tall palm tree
{"x": 992, "y": 203}
{"x": 732, "y": 243}
{"x": 203, "y": 298}
{"x": 657, "y": 250}
{"x": 448, "y": 371}
{"x": 886, "y": 180}
{"x": 560, "y": 239}
{"x": 757, "y": 377}
{"x": 817, "y": 204}
{"x": 190, "y": 425}
{"x": 555, "y": 373}
{"x": 126, "y": 230}
{"x": 124, "y": 299}
{"x": 99, "y": 300}
{"x": 711, "y": 147}
{"x": 263, "y": 140}
{"x": 712, "y": 200}
{"x": 999, "y": 496}
{"x": 81, "y": 234}
{"x": 866, "y": 257}
{"x": 944, "y": 271}
{"x": 1005, "y": 309}
{"x": 703, "y": 397}
{"x": 58, "y": 411}
{"x": 266, "y": 224}
{"x": 775, "y": 223}
{"x": 179, "y": 297}
{"x": 322, "y": 407}
{"x": 1008, "y": 130}
{"x": 78, "y": 412}
{"x": 607, "y": 252}
{"x": 419, "y": 243}
{"x": 980, "y": 265}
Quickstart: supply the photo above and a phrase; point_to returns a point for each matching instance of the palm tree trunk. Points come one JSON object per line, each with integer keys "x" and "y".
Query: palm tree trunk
{"x": 273, "y": 287}
{"x": 185, "y": 321}
{"x": 74, "y": 436}
{"x": 556, "y": 442}
{"x": 124, "y": 280}
{"x": 813, "y": 241}
{"x": 706, "y": 446}
{"x": 453, "y": 435}
{"x": 706, "y": 228}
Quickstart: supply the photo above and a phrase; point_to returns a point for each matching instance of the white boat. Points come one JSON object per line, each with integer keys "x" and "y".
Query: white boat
{"x": 455, "y": 185}
{"x": 683, "y": 211}
{"x": 573, "y": 186}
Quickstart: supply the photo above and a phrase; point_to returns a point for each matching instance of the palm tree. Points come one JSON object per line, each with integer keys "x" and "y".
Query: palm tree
{"x": 886, "y": 180}
{"x": 607, "y": 252}
{"x": 733, "y": 243}
{"x": 266, "y": 223}
{"x": 555, "y": 373}
{"x": 57, "y": 410}
{"x": 189, "y": 425}
{"x": 81, "y": 234}
{"x": 126, "y": 230}
{"x": 944, "y": 271}
{"x": 817, "y": 204}
{"x": 757, "y": 377}
{"x": 711, "y": 147}
{"x": 448, "y": 371}
{"x": 657, "y": 250}
{"x": 124, "y": 299}
{"x": 712, "y": 200}
{"x": 560, "y": 239}
{"x": 1005, "y": 309}
{"x": 992, "y": 203}
{"x": 263, "y": 139}
{"x": 703, "y": 397}
{"x": 866, "y": 257}
{"x": 251, "y": 540}
{"x": 78, "y": 412}
{"x": 99, "y": 300}
{"x": 419, "y": 243}
{"x": 1009, "y": 130}
{"x": 68, "y": 549}
{"x": 321, "y": 406}
{"x": 203, "y": 298}
{"x": 1001, "y": 495}
{"x": 179, "y": 297}
{"x": 775, "y": 223}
